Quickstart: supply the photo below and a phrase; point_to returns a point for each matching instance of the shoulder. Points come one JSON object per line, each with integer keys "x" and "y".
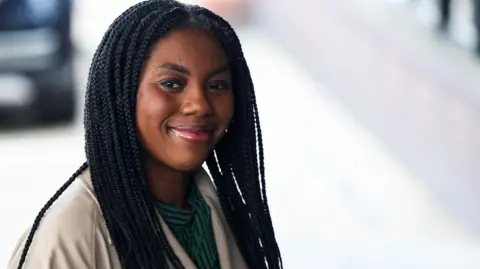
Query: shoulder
{"x": 68, "y": 232}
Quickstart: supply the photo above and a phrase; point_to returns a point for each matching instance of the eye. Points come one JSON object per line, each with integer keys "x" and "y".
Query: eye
{"x": 218, "y": 86}
{"x": 172, "y": 84}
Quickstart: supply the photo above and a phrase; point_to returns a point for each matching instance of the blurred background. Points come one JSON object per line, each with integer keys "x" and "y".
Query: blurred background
{"x": 370, "y": 112}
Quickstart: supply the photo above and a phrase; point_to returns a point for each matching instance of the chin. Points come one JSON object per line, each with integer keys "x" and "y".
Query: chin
{"x": 187, "y": 165}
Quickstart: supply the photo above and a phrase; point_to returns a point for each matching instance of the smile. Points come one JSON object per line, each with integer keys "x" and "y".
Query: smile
{"x": 192, "y": 134}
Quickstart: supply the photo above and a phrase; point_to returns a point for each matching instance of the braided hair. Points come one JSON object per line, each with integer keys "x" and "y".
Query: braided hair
{"x": 113, "y": 149}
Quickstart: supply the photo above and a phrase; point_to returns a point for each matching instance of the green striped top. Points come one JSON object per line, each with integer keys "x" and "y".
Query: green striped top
{"x": 193, "y": 229}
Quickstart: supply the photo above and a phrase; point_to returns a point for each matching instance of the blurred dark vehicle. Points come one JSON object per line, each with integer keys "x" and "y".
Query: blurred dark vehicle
{"x": 36, "y": 61}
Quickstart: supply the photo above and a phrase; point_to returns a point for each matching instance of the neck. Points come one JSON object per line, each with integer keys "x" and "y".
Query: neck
{"x": 168, "y": 185}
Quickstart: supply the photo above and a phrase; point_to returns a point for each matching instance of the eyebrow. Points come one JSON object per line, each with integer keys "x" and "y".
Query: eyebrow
{"x": 184, "y": 70}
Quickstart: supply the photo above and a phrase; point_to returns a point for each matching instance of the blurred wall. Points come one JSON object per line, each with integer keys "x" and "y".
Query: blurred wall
{"x": 417, "y": 92}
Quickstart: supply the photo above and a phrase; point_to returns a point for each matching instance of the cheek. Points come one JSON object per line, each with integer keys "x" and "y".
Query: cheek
{"x": 224, "y": 107}
{"x": 153, "y": 107}
{"x": 145, "y": 107}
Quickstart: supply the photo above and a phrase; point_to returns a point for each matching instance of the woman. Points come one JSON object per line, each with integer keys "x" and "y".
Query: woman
{"x": 444, "y": 8}
{"x": 168, "y": 89}
{"x": 476, "y": 24}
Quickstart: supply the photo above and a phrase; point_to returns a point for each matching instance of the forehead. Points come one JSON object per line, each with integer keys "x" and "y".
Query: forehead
{"x": 189, "y": 47}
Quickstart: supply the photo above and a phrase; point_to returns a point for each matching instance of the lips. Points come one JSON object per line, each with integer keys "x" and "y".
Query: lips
{"x": 193, "y": 133}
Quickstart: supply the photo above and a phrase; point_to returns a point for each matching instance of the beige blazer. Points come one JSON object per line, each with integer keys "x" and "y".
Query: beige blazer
{"x": 73, "y": 235}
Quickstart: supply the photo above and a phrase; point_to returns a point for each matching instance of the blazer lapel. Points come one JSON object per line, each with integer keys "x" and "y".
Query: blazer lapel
{"x": 228, "y": 252}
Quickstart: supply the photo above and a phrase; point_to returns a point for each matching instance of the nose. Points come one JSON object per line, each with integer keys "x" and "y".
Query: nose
{"x": 196, "y": 102}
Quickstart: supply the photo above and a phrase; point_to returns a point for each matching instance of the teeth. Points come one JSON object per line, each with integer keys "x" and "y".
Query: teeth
{"x": 190, "y": 134}
{"x": 179, "y": 132}
{"x": 175, "y": 132}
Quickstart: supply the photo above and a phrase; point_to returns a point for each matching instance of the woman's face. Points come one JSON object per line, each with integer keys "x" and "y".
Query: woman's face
{"x": 185, "y": 99}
